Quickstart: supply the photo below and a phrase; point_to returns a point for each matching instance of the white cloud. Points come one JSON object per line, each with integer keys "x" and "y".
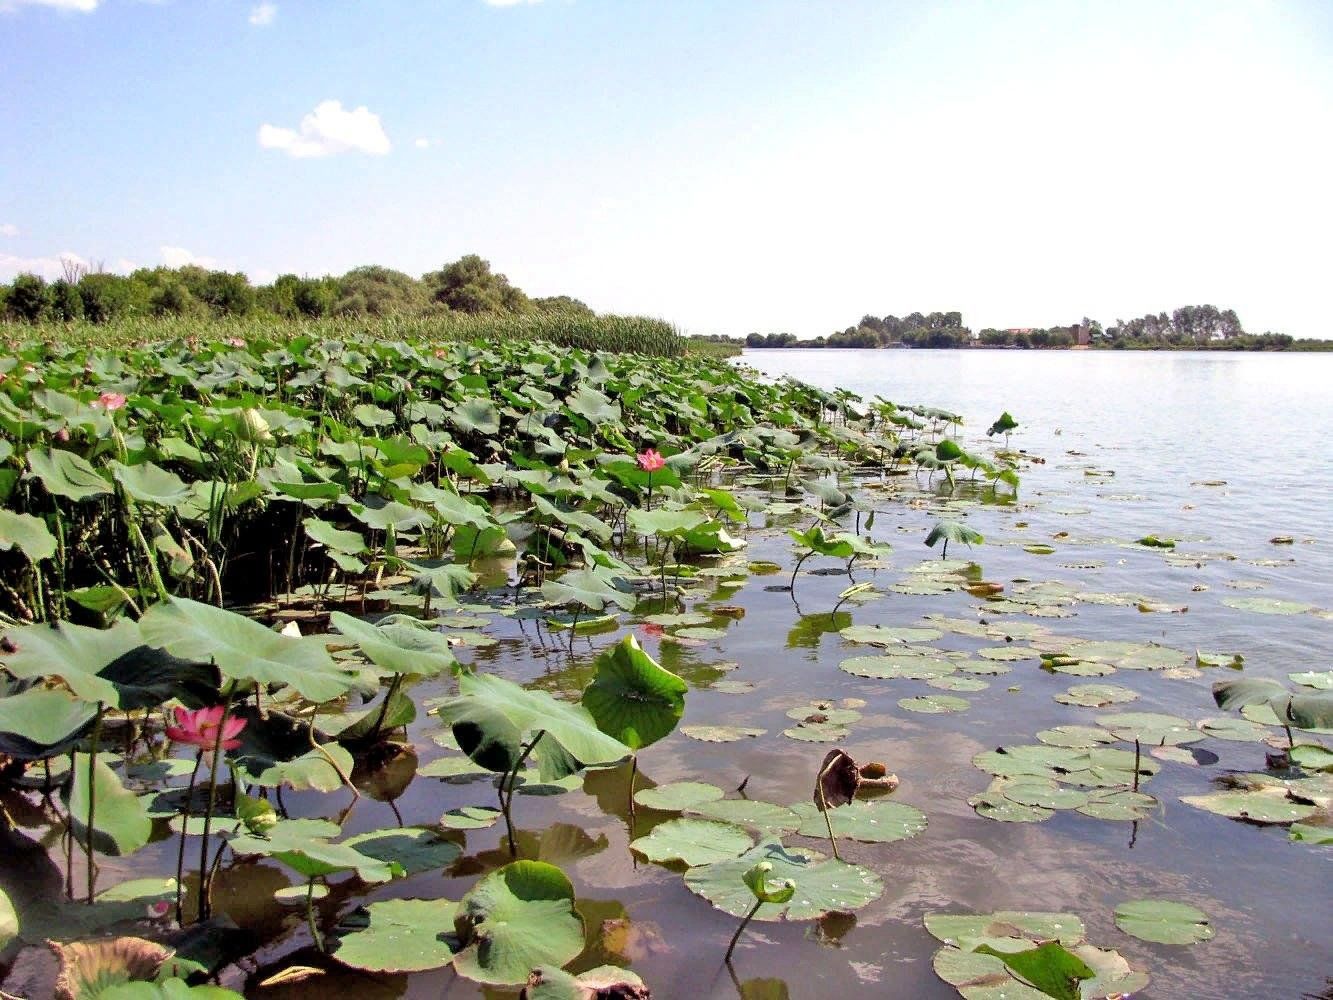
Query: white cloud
{"x": 510, "y": 3}
{"x": 8, "y": 229}
{"x": 82, "y": 6}
{"x": 328, "y": 130}
{"x": 263, "y": 14}
{"x": 425, "y": 143}
{"x": 180, "y": 257}
{"x": 49, "y": 268}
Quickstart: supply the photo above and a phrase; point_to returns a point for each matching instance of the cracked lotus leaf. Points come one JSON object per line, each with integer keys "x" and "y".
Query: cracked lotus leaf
{"x": 823, "y": 885}
{"x": 877, "y": 821}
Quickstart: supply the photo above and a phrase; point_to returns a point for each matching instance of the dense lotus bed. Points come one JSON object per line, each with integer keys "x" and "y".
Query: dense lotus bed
{"x": 356, "y": 665}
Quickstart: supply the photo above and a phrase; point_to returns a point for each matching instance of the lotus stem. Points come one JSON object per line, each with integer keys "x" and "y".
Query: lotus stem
{"x": 203, "y": 910}
{"x": 633, "y": 772}
{"x": 342, "y": 775}
{"x": 1137, "y": 756}
{"x": 92, "y": 800}
{"x": 185, "y": 826}
{"x": 797, "y": 569}
{"x": 823, "y": 807}
{"x": 384, "y": 708}
{"x": 151, "y": 559}
{"x": 737, "y": 936}
{"x": 507, "y": 799}
{"x": 310, "y": 914}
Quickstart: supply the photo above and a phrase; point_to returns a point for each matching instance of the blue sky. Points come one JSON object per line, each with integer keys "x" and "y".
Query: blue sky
{"x": 729, "y": 166}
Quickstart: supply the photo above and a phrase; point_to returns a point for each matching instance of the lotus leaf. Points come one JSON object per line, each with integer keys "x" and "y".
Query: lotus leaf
{"x": 823, "y": 885}
{"x": 693, "y": 842}
{"x": 1163, "y": 921}
{"x": 516, "y": 919}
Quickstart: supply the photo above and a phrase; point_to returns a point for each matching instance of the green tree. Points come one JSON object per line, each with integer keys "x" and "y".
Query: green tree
{"x": 110, "y": 296}
{"x": 29, "y": 298}
{"x": 469, "y": 285}
{"x": 378, "y": 291}
{"x": 66, "y": 305}
{"x": 562, "y": 304}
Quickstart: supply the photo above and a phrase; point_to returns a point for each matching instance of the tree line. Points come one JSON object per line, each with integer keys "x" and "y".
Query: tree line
{"x": 1204, "y": 327}
{"x": 468, "y": 285}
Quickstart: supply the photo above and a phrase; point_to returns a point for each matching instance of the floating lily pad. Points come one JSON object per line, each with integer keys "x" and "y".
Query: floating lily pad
{"x": 992, "y": 804}
{"x": 1321, "y": 680}
{"x": 700, "y": 632}
{"x": 1079, "y": 737}
{"x": 398, "y": 935}
{"x": 721, "y": 734}
{"x": 1096, "y": 695}
{"x": 1007, "y": 653}
{"x": 1237, "y": 730}
{"x": 1118, "y": 804}
{"x": 417, "y": 849}
{"x": 901, "y": 666}
{"x": 883, "y": 635}
{"x": 1267, "y": 605}
{"x": 1151, "y": 728}
{"x": 934, "y": 704}
{"x": 470, "y": 818}
{"x": 955, "y": 928}
{"x": 878, "y": 821}
{"x": 1267, "y": 805}
{"x": 823, "y": 885}
{"x": 1163, "y": 921}
{"x": 677, "y": 796}
{"x": 693, "y": 842}
{"x": 817, "y": 732}
{"x": 1046, "y": 794}
{"x": 824, "y": 712}
{"x": 951, "y": 682}
{"x": 768, "y": 818}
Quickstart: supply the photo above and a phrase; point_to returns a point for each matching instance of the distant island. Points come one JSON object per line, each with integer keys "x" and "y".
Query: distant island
{"x": 1189, "y": 328}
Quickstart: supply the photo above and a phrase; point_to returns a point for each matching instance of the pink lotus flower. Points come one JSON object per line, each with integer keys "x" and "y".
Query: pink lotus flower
{"x": 651, "y": 461}
{"x": 236, "y": 341}
{"x": 62, "y": 434}
{"x": 158, "y": 910}
{"x": 200, "y": 728}
{"x": 110, "y": 401}
{"x": 653, "y": 629}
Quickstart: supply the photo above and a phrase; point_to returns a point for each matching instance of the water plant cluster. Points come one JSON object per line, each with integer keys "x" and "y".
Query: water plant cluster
{"x": 251, "y": 585}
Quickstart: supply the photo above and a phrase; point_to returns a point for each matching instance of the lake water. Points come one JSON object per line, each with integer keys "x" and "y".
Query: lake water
{"x": 1151, "y": 429}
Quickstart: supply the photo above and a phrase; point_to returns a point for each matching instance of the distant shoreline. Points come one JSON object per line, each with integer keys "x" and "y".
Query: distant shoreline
{"x": 1298, "y": 347}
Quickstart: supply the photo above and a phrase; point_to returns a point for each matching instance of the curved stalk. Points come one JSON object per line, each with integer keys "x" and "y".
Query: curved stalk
{"x": 203, "y": 909}
{"x": 737, "y": 936}
{"x": 507, "y": 790}
{"x": 823, "y": 807}
{"x": 310, "y": 914}
{"x": 92, "y": 800}
{"x": 185, "y": 826}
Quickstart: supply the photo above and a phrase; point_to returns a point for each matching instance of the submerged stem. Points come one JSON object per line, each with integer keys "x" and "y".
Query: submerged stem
{"x": 185, "y": 827}
{"x": 92, "y": 800}
{"x": 310, "y": 914}
{"x": 507, "y": 794}
{"x": 737, "y": 936}
{"x": 203, "y": 909}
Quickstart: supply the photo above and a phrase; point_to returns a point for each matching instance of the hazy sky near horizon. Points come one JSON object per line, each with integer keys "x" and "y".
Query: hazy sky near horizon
{"x": 762, "y": 165}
